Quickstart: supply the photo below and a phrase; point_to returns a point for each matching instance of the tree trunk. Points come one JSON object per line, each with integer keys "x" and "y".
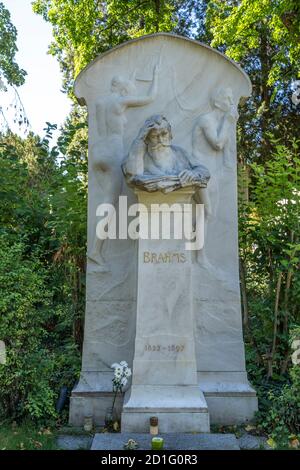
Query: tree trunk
{"x": 244, "y": 295}
{"x": 275, "y": 325}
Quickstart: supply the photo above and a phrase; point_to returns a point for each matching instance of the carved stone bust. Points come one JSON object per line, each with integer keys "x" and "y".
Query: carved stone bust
{"x": 154, "y": 164}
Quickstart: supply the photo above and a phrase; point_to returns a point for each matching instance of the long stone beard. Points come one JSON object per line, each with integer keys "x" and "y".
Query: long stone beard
{"x": 162, "y": 156}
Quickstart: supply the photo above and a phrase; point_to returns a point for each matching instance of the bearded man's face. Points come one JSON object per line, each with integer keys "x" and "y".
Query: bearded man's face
{"x": 158, "y": 138}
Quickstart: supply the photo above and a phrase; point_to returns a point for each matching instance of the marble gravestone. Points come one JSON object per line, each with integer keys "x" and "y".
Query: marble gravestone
{"x": 162, "y": 129}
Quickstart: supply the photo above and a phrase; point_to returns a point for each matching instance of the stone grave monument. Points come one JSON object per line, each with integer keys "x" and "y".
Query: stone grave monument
{"x": 162, "y": 133}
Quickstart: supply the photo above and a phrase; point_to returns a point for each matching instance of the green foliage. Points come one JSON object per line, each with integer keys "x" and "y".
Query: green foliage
{"x": 25, "y": 164}
{"x": 70, "y": 201}
{"x": 240, "y": 26}
{"x": 270, "y": 259}
{"x": 26, "y": 437}
{"x": 68, "y": 222}
{"x": 280, "y": 415}
{"x": 263, "y": 36}
{"x": 38, "y": 320}
{"x": 24, "y": 304}
{"x": 8, "y": 48}
{"x": 270, "y": 256}
{"x": 82, "y": 30}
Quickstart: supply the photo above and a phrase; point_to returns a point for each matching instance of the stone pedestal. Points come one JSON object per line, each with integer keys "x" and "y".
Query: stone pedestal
{"x": 164, "y": 381}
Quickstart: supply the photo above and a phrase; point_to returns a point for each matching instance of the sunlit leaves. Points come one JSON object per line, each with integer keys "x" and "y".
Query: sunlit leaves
{"x": 239, "y": 25}
{"x": 81, "y": 30}
{"x": 8, "y": 48}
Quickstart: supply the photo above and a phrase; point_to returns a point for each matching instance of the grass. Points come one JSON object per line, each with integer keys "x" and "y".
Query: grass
{"x": 26, "y": 436}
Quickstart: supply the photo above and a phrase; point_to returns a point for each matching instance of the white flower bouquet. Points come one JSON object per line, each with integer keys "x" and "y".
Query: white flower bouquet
{"x": 121, "y": 375}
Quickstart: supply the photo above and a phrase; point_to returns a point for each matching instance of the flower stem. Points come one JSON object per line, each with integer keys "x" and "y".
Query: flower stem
{"x": 115, "y": 396}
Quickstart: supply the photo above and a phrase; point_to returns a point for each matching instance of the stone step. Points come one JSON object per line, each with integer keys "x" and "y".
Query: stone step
{"x": 178, "y": 408}
{"x": 172, "y": 441}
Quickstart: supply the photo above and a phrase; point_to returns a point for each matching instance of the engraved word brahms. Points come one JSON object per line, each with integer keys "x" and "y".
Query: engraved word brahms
{"x": 165, "y": 257}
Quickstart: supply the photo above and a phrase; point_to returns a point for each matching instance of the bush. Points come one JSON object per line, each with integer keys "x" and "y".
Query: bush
{"x": 39, "y": 359}
{"x": 25, "y": 309}
{"x": 280, "y": 419}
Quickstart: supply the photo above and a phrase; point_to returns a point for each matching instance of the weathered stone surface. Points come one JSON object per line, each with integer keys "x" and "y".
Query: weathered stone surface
{"x": 93, "y": 404}
{"x": 171, "y": 441}
{"x": 110, "y": 322}
{"x": 218, "y": 334}
{"x": 249, "y": 442}
{"x": 69, "y": 442}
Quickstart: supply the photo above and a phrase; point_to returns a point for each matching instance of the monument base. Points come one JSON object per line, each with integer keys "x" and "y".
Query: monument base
{"x": 178, "y": 409}
{"x": 172, "y": 441}
{"x": 230, "y": 398}
{"x": 93, "y": 396}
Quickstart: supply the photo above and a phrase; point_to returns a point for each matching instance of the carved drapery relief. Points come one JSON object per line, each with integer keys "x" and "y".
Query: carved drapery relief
{"x": 153, "y": 163}
{"x": 107, "y": 152}
{"x": 212, "y": 135}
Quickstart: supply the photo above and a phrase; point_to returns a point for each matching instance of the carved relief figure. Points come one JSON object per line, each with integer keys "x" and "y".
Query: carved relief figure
{"x": 215, "y": 126}
{"x": 108, "y": 151}
{"x": 211, "y": 136}
{"x": 153, "y": 163}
